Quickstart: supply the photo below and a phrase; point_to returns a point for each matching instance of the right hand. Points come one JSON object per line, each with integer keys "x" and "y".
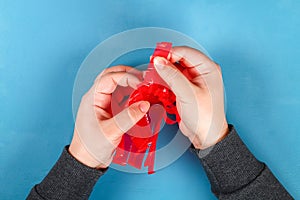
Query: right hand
{"x": 199, "y": 94}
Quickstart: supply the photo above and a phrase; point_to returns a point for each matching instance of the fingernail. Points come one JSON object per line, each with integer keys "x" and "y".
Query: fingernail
{"x": 159, "y": 62}
{"x": 144, "y": 106}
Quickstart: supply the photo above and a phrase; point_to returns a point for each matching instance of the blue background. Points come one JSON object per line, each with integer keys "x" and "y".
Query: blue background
{"x": 42, "y": 44}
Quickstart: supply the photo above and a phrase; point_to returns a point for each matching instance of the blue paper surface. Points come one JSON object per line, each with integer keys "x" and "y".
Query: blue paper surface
{"x": 43, "y": 43}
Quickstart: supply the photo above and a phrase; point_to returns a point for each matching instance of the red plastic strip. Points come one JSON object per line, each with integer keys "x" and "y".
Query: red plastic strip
{"x": 143, "y": 136}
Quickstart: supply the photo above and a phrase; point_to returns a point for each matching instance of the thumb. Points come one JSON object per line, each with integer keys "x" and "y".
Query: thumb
{"x": 127, "y": 118}
{"x": 178, "y": 83}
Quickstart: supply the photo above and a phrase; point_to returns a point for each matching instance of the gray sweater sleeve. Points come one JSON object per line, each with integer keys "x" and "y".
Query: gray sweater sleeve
{"x": 234, "y": 173}
{"x": 68, "y": 179}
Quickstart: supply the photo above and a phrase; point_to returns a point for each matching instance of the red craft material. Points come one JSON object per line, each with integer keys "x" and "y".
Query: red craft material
{"x": 143, "y": 135}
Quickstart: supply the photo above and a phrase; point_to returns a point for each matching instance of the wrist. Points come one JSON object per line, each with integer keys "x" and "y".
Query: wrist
{"x": 79, "y": 152}
{"x": 212, "y": 137}
{"x": 224, "y": 132}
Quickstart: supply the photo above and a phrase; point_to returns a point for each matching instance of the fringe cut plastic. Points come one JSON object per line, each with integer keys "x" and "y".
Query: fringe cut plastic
{"x": 143, "y": 136}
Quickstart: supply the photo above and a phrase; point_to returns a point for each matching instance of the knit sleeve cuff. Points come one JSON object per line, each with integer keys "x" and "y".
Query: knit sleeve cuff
{"x": 229, "y": 164}
{"x": 68, "y": 179}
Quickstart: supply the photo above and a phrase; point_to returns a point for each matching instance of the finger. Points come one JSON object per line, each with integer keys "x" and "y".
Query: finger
{"x": 178, "y": 83}
{"x": 121, "y": 68}
{"x": 108, "y": 82}
{"x": 127, "y": 118}
{"x": 192, "y": 58}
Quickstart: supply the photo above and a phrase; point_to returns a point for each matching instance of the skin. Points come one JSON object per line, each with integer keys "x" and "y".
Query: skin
{"x": 198, "y": 85}
{"x": 199, "y": 91}
{"x": 95, "y": 123}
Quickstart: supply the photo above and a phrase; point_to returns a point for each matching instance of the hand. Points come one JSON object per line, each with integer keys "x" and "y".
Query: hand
{"x": 198, "y": 87}
{"x": 96, "y": 132}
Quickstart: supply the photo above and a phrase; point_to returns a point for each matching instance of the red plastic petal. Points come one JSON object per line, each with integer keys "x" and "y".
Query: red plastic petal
{"x": 143, "y": 136}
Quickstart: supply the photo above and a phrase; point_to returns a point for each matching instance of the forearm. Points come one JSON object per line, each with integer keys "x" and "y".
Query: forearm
{"x": 234, "y": 173}
{"x": 68, "y": 179}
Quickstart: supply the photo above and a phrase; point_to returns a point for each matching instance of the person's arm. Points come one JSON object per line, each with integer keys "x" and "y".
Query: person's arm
{"x": 97, "y": 133}
{"x": 68, "y": 179}
{"x": 234, "y": 173}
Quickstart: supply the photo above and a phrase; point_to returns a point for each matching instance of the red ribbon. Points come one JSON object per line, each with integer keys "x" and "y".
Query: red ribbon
{"x": 143, "y": 136}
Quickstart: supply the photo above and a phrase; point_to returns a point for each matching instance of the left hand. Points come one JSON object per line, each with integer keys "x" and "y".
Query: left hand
{"x": 97, "y": 133}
